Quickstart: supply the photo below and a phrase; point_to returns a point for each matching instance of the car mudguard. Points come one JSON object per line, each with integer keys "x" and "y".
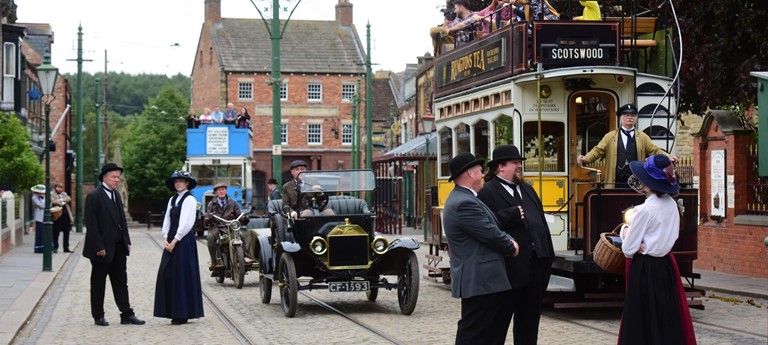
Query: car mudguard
{"x": 290, "y": 247}
{"x": 405, "y": 242}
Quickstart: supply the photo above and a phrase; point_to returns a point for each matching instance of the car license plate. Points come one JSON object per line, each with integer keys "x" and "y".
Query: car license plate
{"x": 350, "y": 286}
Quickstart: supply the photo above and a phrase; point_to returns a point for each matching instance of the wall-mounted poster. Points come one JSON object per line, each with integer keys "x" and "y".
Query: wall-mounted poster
{"x": 717, "y": 182}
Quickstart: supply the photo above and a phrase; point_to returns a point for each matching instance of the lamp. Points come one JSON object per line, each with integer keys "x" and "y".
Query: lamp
{"x": 334, "y": 127}
{"x": 427, "y": 123}
{"x": 46, "y": 76}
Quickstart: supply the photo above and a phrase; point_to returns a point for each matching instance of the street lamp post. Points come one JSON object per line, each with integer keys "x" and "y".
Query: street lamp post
{"x": 427, "y": 122}
{"x": 46, "y": 76}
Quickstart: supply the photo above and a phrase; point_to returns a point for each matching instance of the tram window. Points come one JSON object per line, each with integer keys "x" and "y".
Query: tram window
{"x": 208, "y": 175}
{"x": 446, "y": 150}
{"x": 553, "y": 135}
{"x": 503, "y": 131}
{"x": 482, "y": 140}
{"x": 462, "y": 138}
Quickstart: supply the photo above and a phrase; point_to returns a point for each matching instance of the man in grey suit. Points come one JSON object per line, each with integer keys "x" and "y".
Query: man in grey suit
{"x": 477, "y": 248}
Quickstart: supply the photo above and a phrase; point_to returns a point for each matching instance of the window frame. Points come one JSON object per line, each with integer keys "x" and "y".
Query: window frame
{"x": 311, "y": 93}
{"x": 314, "y": 131}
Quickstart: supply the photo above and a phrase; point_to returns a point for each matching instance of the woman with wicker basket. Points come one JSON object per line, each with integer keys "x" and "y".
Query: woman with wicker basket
{"x": 655, "y": 308}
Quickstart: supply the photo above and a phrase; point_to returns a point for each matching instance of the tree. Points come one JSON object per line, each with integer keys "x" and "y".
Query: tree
{"x": 154, "y": 146}
{"x": 19, "y": 167}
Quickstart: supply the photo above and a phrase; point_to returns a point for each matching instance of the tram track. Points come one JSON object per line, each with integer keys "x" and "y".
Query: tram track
{"x": 352, "y": 319}
{"x": 225, "y": 319}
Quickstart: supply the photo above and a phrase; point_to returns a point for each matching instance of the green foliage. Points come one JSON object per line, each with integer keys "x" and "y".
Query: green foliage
{"x": 19, "y": 166}
{"x": 155, "y": 145}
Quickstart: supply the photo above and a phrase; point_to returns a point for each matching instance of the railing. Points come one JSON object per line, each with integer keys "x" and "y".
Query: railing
{"x": 757, "y": 187}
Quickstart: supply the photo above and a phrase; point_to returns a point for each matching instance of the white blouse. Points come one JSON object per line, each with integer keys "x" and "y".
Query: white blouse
{"x": 655, "y": 227}
{"x": 186, "y": 219}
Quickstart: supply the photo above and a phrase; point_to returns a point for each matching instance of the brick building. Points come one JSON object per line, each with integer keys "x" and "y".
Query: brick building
{"x": 321, "y": 69}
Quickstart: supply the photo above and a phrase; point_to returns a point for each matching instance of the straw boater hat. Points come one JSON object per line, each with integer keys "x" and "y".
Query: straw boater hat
{"x": 656, "y": 172}
{"x": 462, "y": 163}
{"x": 181, "y": 175}
{"x": 39, "y": 188}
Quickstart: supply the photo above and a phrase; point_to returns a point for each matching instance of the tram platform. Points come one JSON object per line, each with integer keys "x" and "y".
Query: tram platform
{"x": 23, "y": 283}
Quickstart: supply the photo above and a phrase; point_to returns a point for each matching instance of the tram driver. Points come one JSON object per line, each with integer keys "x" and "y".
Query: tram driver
{"x": 622, "y": 146}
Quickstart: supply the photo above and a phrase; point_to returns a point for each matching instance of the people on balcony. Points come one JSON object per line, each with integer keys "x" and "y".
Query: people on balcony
{"x": 217, "y": 116}
{"x": 438, "y": 33}
{"x": 591, "y": 11}
{"x": 243, "y": 119}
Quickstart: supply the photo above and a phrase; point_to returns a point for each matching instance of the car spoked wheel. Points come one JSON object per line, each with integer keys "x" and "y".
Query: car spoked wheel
{"x": 288, "y": 285}
{"x": 408, "y": 285}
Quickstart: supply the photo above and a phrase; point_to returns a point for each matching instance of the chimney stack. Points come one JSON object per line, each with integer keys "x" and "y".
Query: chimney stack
{"x": 212, "y": 11}
{"x": 344, "y": 13}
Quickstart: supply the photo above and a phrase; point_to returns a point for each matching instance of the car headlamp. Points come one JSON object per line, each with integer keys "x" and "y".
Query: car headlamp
{"x": 380, "y": 245}
{"x": 318, "y": 245}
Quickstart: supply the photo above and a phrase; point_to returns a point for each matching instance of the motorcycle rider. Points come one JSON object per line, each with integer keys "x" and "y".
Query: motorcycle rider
{"x": 221, "y": 205}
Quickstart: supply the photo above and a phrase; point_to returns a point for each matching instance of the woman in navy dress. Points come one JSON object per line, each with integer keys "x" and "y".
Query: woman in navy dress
{"x": 178, "y": 292}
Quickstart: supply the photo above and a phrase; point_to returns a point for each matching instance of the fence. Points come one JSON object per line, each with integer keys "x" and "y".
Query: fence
{"x": 757, "y": 187}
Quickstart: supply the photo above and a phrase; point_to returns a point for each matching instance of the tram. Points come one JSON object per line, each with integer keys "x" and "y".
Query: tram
{"x": 552, "y": 88}
{"x": 219, "y": 153}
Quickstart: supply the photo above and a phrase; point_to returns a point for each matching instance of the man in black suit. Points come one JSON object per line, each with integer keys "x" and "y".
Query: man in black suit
{"x": 274, "y": 193}
{"x": 477, "y": 248}
{"x": 520, "y": 213}
{"x": 107, "y": 245}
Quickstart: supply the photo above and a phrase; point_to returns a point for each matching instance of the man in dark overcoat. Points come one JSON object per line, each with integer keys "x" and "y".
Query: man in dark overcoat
{"x": 520, "y": 213}
{"x": 107, "y": 245}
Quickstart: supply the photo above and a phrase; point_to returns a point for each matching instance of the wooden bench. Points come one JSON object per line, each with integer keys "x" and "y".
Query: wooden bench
{"x": 633, "y": 27}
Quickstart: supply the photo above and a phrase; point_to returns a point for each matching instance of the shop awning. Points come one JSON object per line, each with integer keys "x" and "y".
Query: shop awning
{"x": 414, "y": 149}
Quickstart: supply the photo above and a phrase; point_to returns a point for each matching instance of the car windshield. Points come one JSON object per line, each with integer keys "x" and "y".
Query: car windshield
{"x": 338, "y": 180}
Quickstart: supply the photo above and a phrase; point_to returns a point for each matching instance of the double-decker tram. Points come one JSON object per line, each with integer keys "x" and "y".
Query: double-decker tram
{"x": 552, "y": 88}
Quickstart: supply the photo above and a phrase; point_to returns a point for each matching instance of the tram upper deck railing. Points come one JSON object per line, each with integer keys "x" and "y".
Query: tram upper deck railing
{"x": 519, "y": 48}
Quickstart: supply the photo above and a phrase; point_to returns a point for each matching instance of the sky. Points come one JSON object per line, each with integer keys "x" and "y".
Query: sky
{"x": 160, "y": 36}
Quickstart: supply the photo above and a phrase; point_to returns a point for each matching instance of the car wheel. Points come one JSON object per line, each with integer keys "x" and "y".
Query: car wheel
{"x": 372, "y": 294}
{"x": 265, "y": 289}
{"x": 288, "y": 284}
{"x": 408, "y": 284}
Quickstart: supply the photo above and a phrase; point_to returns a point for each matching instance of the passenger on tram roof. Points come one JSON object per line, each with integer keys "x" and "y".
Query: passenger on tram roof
{"x": 217, "y": 116}
{"x": 591, "y": 11}
{"x": 438, "y": 33}
{"x": 192, "y": 121}
{"x": 470, "y": 23}
{"x": 539, "y": 10}
{"x": 230, "y": 114}
{"x": 205, "y": 117}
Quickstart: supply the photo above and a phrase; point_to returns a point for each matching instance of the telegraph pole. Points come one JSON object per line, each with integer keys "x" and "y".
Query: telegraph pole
{"x": 99, "y": 147}
{"x": 79, "y": 132}
{"x": 276, "y": 34}
{"x": 368, "y": 111}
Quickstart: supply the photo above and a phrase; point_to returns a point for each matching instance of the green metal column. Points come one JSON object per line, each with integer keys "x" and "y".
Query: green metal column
{"x": 99, "y": 143}
{"x": 277, "y": 152}
{"x": 79, "y": 135}
{"x": 368, "y": 111}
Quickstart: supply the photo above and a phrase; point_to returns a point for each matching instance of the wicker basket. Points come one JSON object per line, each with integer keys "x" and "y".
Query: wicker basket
{"x": 609, "y": 257}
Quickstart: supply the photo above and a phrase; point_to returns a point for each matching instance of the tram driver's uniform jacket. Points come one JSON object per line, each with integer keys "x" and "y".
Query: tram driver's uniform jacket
{"x": 608, "y": 146}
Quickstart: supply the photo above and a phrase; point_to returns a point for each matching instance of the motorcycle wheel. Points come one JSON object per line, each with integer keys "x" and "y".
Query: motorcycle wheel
{"x": 223, "y": 273}
{"x": 265, "y": 289}
{"x": 238, "y": 266}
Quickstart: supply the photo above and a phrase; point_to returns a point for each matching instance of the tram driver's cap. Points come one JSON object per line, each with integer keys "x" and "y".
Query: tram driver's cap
{"x": 628, "y": 108}
{"x": 298, "y": 163}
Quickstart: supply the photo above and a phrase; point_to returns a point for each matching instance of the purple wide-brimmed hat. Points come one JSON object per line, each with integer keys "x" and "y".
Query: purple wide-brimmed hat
{"x": 658, "y": 173}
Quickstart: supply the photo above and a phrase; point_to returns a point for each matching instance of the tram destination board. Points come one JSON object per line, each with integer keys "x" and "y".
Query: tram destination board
{"x": 350, "y": 286}
{"x": 576, "y": 44}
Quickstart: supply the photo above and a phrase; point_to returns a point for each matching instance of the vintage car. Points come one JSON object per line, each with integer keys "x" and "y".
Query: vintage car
{"x": 338, "y": 253}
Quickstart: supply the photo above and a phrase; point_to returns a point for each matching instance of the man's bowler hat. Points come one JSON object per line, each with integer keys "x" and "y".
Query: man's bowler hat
{"x": 462, "y": 163}
{"x": 298, "y": 163}
{"x": 107, "y": 168}
{"x": 505, "y": 153}
{"x": 272, "y": 181}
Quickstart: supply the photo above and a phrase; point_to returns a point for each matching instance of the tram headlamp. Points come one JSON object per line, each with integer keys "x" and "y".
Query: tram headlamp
{"x": 380, "y": 245}
{"x": 318, "y": 245}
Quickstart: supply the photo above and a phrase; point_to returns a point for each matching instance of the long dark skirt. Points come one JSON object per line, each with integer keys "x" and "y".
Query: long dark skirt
{"x": 178, "y": 292}
{"x": 652, "y": 306}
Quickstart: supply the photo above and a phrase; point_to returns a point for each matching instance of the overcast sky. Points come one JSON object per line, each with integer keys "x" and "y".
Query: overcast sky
{"x": 140, "y": 36}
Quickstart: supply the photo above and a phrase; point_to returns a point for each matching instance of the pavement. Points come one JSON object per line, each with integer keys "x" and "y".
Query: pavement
{"x": 23, "y": 283}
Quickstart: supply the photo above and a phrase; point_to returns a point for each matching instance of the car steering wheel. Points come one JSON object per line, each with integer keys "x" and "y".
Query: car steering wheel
{"x": 315, "y": 200}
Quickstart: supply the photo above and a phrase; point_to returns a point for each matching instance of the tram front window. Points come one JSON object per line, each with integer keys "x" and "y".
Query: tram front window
{"x": 208, "y": 175}
{"x": 553, "y": 146}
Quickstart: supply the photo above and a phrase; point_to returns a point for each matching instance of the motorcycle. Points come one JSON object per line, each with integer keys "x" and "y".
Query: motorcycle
{"x": 231, "y": 257}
